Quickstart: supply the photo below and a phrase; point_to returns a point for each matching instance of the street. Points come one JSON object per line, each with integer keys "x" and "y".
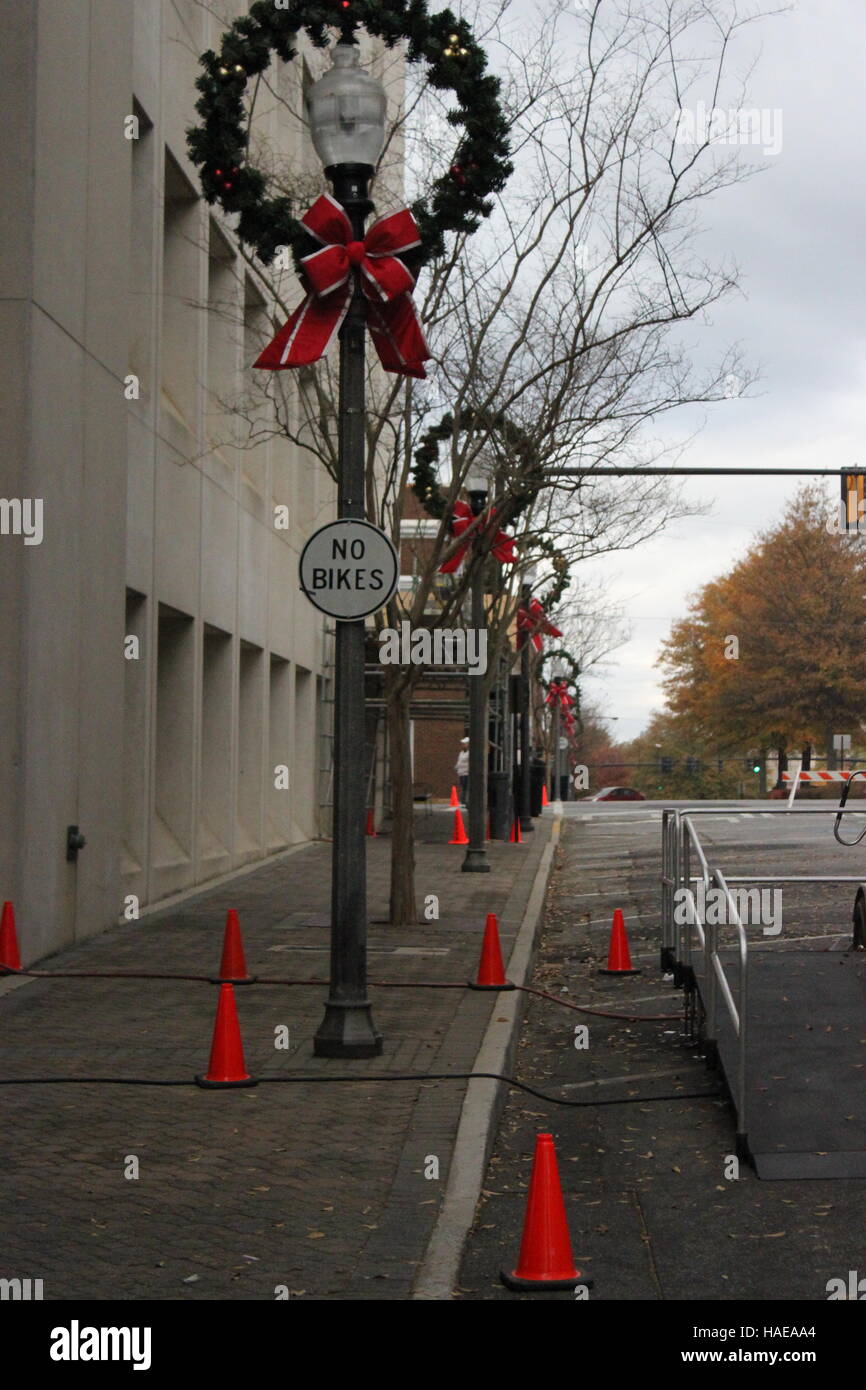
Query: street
{"x": 655, "y": 1206}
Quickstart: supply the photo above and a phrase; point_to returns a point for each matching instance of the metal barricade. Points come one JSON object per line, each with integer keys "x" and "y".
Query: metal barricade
{"x": 691, "y": 948}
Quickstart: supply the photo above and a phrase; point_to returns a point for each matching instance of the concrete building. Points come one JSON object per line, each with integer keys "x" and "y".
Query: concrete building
{"x": 164, "y": 682}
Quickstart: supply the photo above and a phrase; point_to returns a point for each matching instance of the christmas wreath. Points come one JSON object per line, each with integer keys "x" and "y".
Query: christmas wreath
{"x": 425, "y": 472}
{"x": 455, "y": 62}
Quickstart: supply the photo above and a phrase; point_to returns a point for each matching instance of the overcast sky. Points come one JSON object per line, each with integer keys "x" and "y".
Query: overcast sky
{"x": 797, "y": 233}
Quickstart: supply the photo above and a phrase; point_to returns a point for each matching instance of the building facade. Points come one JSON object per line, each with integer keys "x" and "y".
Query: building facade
{"x": 165, "y": 685}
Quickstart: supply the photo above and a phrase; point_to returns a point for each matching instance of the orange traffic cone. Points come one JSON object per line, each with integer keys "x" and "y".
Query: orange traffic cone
{"x": 370, "y": 828}
{"x": 618, "y": 956}
{"x": 226, "y": 1066}
{"x": 9, "y": 957}
{"x": 233, "y": 966}
{"x": 545, "y": 1261}
{"x": 459, "y": 837}
{"x": 491, "y": 971}
{"x": 515, "y": 838}
{"x": 545, "y": 799}
{"x": 455, "y": 799}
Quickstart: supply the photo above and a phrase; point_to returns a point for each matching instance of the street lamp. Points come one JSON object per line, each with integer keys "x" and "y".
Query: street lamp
{"x": 346, "y": 111}
{"x": 476, "y": 484}
{"x": 525, "y": 799}
{"x": 557, "y": 674}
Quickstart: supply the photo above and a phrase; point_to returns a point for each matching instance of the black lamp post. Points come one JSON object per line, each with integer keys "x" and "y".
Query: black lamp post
{"x": 525, "y": 720}
{"x": 475, "y": 860}
{"x": 557, "y": 675}
{"x": 346, "y": 110}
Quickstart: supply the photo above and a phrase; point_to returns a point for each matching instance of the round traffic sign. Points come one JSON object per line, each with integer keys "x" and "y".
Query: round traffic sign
{"x": 349, "y": 569}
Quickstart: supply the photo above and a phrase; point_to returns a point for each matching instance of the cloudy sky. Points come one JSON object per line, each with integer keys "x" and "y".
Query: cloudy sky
{"x": 797, "y": 234}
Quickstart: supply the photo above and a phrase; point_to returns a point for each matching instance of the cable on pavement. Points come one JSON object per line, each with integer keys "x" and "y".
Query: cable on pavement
{"x": 366, "y": 1080}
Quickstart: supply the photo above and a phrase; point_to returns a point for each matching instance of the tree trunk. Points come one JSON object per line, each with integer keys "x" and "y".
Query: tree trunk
{"x": 403, "y": 910}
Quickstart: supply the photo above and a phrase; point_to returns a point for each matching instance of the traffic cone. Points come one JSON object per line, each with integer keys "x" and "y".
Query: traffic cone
{"x": 233, "y": 966}
{"x": 491, "y": 971}
{"x": 455, "y": 799}
{"x": 545, "y": 1260}
{"x": 618, "y": 956}
{"x": 545, "y": 799}
{"x": 370, "y": 828}
{"x": 9, "y": 957}
{"x": 459, "y": 837}
{"x": 226, "y": 1067}
{"x": 515, "y": 838}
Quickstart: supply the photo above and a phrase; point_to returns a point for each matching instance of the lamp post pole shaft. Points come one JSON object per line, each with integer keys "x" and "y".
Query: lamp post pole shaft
{"x": 475, "y": 860}
{"x": 347, "y": 1028}
{"x": 525, "y": 752}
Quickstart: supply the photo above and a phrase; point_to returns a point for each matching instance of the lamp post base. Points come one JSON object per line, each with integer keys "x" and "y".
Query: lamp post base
{"x": 347, "y": 1031}
{"x": 475, "y": 862}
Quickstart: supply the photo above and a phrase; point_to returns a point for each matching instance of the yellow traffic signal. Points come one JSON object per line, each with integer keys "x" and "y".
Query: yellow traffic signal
{"x": 853, "y": 500}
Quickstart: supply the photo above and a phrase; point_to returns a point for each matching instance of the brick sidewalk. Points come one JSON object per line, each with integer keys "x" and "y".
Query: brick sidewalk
{"x": 317, "y": 1187}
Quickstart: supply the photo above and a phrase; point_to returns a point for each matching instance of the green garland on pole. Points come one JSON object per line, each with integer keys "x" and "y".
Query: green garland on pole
{"x": 425, "y": 471}
{"x": 459, "y": 199}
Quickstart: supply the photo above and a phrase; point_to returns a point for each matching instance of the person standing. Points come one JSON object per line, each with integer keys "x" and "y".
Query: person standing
{"x": 461, "y": 767}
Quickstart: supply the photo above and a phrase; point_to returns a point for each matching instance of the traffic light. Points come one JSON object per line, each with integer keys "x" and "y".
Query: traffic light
{"x": 667, "y": 766}
{"x": 853, "y": 501}
{"x": 756, "y": 767}
{"x": 691, "y": 765}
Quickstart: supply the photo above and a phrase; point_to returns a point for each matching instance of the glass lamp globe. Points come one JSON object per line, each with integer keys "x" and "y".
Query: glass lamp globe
{"x": 346, "y": 110}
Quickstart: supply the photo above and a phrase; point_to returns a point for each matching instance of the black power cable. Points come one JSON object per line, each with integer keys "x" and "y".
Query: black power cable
{"x": 417, "y": 1077}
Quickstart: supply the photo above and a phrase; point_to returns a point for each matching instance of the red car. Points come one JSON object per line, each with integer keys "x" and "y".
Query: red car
{"x": 616, "y": 794}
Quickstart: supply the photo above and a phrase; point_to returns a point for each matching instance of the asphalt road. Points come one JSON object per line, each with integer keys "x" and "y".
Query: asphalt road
{"x": 657, "y": 1210}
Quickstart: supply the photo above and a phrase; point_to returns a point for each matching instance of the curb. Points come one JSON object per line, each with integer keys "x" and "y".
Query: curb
{"x": 482, "y": 1106}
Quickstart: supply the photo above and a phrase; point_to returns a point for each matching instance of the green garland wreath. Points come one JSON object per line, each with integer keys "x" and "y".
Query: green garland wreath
{"x": 456, "y": 62}
{"x": 425, "y": 481}
{"x": 425, "y": 472}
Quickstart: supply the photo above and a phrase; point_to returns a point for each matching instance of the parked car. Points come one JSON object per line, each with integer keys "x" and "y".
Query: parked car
{"x": 616, "y": 794}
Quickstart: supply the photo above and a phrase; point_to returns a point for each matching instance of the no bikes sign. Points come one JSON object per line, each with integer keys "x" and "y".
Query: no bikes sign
{"x": 349, "y": 569}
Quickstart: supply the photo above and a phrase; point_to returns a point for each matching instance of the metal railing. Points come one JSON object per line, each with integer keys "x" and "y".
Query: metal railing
{"x": 690, "y": 946}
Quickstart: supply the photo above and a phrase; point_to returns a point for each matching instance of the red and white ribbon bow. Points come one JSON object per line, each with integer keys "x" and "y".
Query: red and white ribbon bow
{"x": 462, "y": 517}
{"x": 531, "y": 622}
{"x": 386, "y": 283}
{"x": 557, "y": 694}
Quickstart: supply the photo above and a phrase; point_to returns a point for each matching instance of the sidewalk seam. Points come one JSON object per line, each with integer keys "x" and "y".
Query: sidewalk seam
{"x": 482, "y": 1106}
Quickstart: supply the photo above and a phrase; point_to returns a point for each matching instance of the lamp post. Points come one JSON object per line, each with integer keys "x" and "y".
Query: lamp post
{"x": 525, "y": 715}
{"x": 557, "y": 675}
{"x": 346, "y": 110}
{"x": 475, "y": 860}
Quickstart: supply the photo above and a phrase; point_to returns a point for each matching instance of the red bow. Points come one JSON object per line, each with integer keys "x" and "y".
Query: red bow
{"x": 532, "y": 620}
{"x": 461, "y": 519}
{"x": 386, "y": 283}
{"x": 558, "y": 694}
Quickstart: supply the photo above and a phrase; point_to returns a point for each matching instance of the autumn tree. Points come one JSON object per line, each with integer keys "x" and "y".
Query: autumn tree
{"x": 773, "y": 653}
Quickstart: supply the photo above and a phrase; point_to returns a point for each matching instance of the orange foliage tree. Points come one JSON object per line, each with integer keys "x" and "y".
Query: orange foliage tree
{"x": 773, "y": 653}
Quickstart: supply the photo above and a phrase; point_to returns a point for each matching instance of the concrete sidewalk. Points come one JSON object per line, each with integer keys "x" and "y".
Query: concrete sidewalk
{"x": 324, "y": 1189}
